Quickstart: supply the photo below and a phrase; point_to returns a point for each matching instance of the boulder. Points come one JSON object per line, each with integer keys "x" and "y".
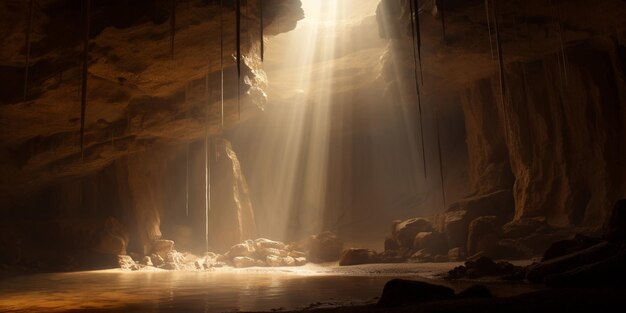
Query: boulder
{"x": 261, "y": 253}
{"x": 392, "y": 256}
{"x": 482, "y": 267}
{"x": 241, "y": 250}
{"x": 433, "y": 241}
{"x": 391, "y": 244}
{"x": 175, "y": 257}
{"x": 406, "y": 230}
{"x": 297, "y": 254}
{"x": 127, "y": 263}
{"x": 358, "y": 256}
{"x": 399, "y": 292}
{"x": 162, "y": 247}
{"x": 300, "y": 261}
{"x": 157, "y": 260}
{"x": 476, "y": 291}
{"x": 456, "y": 254}
{"x": 539, "y": 271}
{"x": 324, "y": 247}
{"x": 607, "y": 273}
{"x": 569, "y": 246}
{"x": 423, "y": 255}
{"x": 171, "y": 266}
{"x": 289, "y": 261}
{"x": 538, "y": 243}
{"x": 524, "y": 227}
{"x": 483, "y": 235}
{"x": 266, "y": 243}
{"x": 455, "y": 226}
{"x": 242, "y": 261}
{"x": 147, "y": 261}
{"x": 274, "y": 261}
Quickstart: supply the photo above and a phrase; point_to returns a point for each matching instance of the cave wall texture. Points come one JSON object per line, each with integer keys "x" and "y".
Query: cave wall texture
{"x": 557, "y": 142}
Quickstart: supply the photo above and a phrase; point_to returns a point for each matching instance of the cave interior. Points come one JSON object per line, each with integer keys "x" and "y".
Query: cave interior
{"x": 272, "y": 155}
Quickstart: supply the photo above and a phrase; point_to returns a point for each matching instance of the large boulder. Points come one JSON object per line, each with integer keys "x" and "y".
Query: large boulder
{"x": 324, "y": 247}
{"x": 569, "y": 246}
{"x": 242, "y": 261}
{"x": 162, "y": 247}
{"x": 433, "y": 241}
{"x": 455, "y": 226}
{"x": 127, "y": 263}
{"x": 597, "y": 253}
{"x": 358, "y": 256}
{"x": 499, "y": 203}
{"x": 524, "y": 227}
{"x": 241, "y": 250}
{"x": 266, "y": 243}
{"x": 399, "y": 292}
{"x": 483, "y": 235}
{"x": 405, "y": 231}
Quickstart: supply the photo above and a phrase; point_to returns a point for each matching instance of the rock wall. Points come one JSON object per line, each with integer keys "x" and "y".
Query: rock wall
{"x": 561, "y": 135}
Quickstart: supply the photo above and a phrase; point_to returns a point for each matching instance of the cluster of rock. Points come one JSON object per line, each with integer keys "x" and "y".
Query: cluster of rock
{"x": 582, "y": 261}
{"x": 324, "y": 247}
{"x": 470, "y": 228}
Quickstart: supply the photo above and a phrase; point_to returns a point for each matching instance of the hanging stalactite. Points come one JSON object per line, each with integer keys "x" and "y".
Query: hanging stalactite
{"x": 29, "y": 28}
{"x": 238, "y": 35}
{"x": 414, "y": 10}
{"x": 172, "y": 27}
{"x": 489, "y": 27}
{"x": 441, "y": 165}
{"x": 442, "y": 8}
{"x": 187, "y": 180}
{"x": 261, "y": 30}
{"x": 222, "y": 60}
{"x": 85, "y": 73}
{"x": 500, "y": 68}
{"x": 556, "y": 16}
{"x": 207, "y": 159}
{"x": 418, "y": 36}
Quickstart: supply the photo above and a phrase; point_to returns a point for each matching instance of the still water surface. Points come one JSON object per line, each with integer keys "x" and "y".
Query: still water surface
{"x": 222, "y": 290}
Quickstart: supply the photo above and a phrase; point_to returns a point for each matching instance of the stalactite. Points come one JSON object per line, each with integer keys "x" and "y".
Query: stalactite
{"x": 501, "y": 68}
{"x": 29, "y": 28}
{"x": 261, "y": 30}
{"x": 85, "y": 73}
{"x": 238, "y": 35}
{"x": 418, "y": 36}
{"x": 187, "y": 180}
{"x": 556, "y": 15}
{"x": 172, "y": 27}
{"x": 441, "y": 166}
{"x": 207, "y": 159}
{"x": 489, "y": 27}
{"x": 222, "y": 60}
{"x": 442, "y": 7}
{"x": 415, "y": 10}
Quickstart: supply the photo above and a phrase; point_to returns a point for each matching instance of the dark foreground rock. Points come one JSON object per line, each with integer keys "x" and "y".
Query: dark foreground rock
{"x": 399, "y": 292}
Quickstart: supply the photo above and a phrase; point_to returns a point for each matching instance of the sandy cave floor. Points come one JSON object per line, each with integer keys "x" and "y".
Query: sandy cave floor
{"x": 225, "y": 289}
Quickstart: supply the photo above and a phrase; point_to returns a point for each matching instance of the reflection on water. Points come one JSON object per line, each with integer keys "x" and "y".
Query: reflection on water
{"x": 223, "y": 290}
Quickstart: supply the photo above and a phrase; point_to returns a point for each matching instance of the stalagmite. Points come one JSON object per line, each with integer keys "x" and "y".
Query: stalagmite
{"x": 29, "y": 28}
{"x": 261, "y": 31}
{"x": 238, "y": 35}
{"x": 489, "y": 27}
{"x": 85, "y": 73}
{"x": 172, "y": 27}
{"x": 415, "y": 10}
